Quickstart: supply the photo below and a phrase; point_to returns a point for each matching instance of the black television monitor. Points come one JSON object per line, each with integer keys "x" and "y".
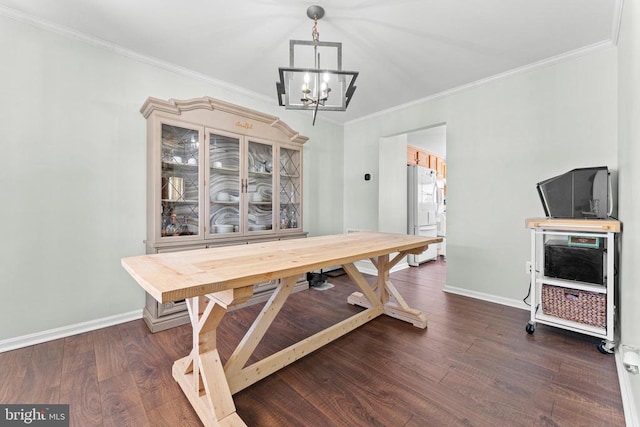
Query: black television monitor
{"x": 580, "y": 193}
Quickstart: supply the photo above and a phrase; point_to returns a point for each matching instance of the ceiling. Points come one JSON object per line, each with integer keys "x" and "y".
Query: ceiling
{"x": 404, "y": 50}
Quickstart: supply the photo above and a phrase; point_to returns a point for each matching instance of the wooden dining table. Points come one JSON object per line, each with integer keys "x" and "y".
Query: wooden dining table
{"x": 214, "y": 280}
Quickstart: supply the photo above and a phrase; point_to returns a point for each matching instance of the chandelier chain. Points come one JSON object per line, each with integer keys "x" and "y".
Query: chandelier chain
{"x": 314, "y": 33}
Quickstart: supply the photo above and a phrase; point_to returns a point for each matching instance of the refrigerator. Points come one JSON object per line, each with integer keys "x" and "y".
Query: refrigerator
{"x": 422, "y": 208}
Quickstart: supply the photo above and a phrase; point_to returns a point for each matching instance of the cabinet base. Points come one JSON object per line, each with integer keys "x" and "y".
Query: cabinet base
{"x": 157, "y": 324}
{"x": 162, "y": 323}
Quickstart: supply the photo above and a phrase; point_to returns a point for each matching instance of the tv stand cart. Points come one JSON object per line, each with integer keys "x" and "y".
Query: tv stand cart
{"x": 574, "y": 276}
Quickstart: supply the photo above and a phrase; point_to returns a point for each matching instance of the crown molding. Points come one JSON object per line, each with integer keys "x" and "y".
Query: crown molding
{"x": 520, "y": 70}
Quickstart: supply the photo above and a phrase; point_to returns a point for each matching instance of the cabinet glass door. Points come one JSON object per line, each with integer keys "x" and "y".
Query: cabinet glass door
{"x": 179, "y": 182}
{"x": 260, "y": 186}
{"x": 290, "y": 189}
{"x": 224, "y": 184}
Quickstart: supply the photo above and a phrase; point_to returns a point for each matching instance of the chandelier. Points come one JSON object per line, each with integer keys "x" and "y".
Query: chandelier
{"x": 305, "y": 84}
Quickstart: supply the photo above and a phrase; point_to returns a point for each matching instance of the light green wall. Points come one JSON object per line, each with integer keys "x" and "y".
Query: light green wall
{"x": 503, "y": 137}
{"x": 73, "y": 174}
{"x": 629, "y": 178}
{"x": 392, "y": 217}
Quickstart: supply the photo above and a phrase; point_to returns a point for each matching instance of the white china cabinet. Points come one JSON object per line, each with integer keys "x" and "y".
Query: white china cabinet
{"x": 218, "y": 174}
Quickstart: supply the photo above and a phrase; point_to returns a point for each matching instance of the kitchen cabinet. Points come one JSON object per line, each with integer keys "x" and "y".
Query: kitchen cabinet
{"x": 420, "y": 157}
{"x": 574, "y": 276}
{"x": 412, "y": 155}
{"x": 423, "y": 158}
{"x": 433, "y": 161}
{"x": 218, "y": 174}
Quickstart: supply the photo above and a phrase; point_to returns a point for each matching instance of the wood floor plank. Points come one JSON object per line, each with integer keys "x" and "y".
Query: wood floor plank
{"x": 80, "y": 343}
{"x": 13, "y": 369}
{"x": 80, "y": 390}
{"x": 292, "y": 409}
{"x": 154, "y": 382}
{"x": 42, "y": 378}
{"x": 571, "y": 412}
{"x": 121, "y": 402}
{"x": 174, "y": 412}
{"x": 175, "y": 342}
{"x": 138, "y": 343}
{"x": 384, "y": 387}
{"x": 599, "y": 373}
{"x": 587, "y": 384}
{"x": 503, "y": 403}
{"x": 111, "y": 359}
{"x": 486, "y": 355}
{"x": 391, "y": 354}
{"x": 79, "y": 355}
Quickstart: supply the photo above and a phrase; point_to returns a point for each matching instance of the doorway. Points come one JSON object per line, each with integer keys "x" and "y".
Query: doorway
{"x": 392, "y": 169}
{"x": 433, "y": 140}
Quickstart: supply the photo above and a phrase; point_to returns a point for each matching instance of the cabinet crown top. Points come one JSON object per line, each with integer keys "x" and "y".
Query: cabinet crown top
{"x": 179, "y": 106}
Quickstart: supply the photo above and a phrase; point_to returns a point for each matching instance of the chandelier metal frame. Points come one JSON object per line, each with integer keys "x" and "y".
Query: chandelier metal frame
{"x": 315, "y": 88}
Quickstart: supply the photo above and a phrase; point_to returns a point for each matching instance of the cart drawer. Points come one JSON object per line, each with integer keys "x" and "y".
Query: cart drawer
{"x": 585, "y": 307}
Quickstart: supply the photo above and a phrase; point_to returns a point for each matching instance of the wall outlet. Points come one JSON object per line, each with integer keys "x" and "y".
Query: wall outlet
{"x": 527, "y": 267}
{"x": 631, "y": 358}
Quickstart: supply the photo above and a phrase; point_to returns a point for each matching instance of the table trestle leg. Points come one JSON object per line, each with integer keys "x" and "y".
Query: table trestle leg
{"x": 201, "y": 374}
{"x": 256, "y": 332}
{"x": 394, "y": 304}
{"x": 383, "y": 278}
{"x": 367, "y": 293}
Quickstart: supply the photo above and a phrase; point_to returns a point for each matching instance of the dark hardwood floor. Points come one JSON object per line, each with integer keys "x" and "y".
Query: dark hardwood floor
{"x": 475, "y": 366}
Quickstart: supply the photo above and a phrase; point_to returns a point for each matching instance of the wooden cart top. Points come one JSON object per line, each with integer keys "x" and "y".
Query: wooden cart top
{"x": 571, "y": 224}
{"x": 178, "y": 275}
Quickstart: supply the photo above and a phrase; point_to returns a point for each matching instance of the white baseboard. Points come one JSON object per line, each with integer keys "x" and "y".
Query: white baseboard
{"x": 487, "y": 297}
{"x": 631, "y": 415}
{"x": 66, "y": 331}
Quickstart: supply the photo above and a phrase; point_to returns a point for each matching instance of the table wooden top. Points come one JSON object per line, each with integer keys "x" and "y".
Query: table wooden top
{"x": 178, "y": 275}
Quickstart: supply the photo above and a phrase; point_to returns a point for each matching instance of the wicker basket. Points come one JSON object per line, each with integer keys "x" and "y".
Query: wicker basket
{"x": 589, "y": 308}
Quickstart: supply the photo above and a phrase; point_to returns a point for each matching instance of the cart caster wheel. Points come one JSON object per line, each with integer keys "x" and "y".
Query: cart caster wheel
{"x": 605, "y": 347}
{"x": 530, "y": 328}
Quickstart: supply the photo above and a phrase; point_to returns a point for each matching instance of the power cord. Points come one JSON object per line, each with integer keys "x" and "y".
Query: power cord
{"x": 524, "y": 300}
